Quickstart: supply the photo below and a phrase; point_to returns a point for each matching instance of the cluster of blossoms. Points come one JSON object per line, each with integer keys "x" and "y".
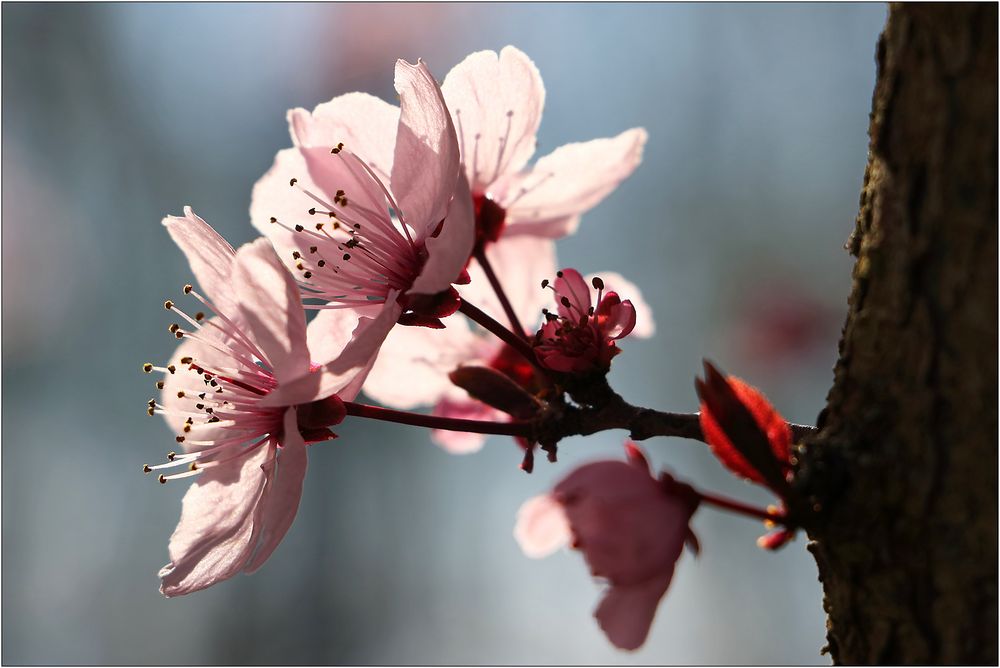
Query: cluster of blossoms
{"x": 388, "y": 221}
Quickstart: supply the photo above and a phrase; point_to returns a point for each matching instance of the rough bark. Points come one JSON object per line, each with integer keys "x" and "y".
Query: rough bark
{"x": 904, "y": 468}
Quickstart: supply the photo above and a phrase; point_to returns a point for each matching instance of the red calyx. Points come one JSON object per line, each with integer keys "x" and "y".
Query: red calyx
{"x": 490, "y": 220}
{"x": 427, "y": 310}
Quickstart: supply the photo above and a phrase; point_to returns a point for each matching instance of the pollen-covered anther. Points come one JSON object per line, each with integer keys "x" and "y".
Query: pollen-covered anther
{"x": 173, "y": 328}
{"x": 171, "y": 368}
{"x": 296, "y": 255}
{"x": 162, "y": 478}
{"x": 179, "y": 439}
{"x": 337, "y": 149}
{"x": 292, "y": 181}
{"x": 168, "y": 304}
{"x": 147, "y": 368}
{"x": 150, "y": 411}
{"x": 186, "y": 360}
{"x": 188, "y": 288}
{"x": 299, "y": 228}
{"x": 312, "y": 211}
{"x": 193, "y": 467}
{"x": 273, "y": 220}
{"x": 307, "y": 274}
{"x": 313, "y": 249}
{"x": 146, "y": 468}
{"x": 180, "y": 394}
{"x": 597, "y": 283}
{"x": 545, "y": 283}
{"x": 171, "y": 456}
{"x": 159, "y": 384}
{"x": 199, "y": 316}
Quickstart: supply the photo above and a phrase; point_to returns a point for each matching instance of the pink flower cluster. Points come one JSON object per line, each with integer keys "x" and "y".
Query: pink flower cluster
{"x": 385, "y": 221}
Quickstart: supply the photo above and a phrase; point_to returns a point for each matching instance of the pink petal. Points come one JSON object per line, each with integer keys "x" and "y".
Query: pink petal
{"x": 210, "y": 256}
{"x": 520, "y": 263}
{"x": 270, "y": 304}
{"x": 461, "y": 442}
{"x": 448, "y": 252}
{"x": 424, "y": 357}
{"x": 281, "y": 499}
{"x": 541, "y": 527}
{"x": 628, "y": 528}
{"x": 274, "y": 198}
{"x": 331, "y": 330}
{"x": 344, "y": 375}
{"x": 496, "y": 102}
{"x": 616, "y": 318}
{"x": 365, "y": 124}
{"x": 577, "y": 291}
{"x": 216, "y": 533}
{"x": 645, "y": 327}
{"x": 572, "y": 179}
{"x": 626, "y": 611}
{"x": 426, "y": 161}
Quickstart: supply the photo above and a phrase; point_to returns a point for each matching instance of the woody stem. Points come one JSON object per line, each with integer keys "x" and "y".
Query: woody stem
{"x": 480, "y": 255}
{"x": 436, "y": 422}
{"x": 510, "y": 338}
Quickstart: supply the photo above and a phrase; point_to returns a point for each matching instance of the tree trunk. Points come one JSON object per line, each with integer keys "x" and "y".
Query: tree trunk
{"x": 904, "y": 470}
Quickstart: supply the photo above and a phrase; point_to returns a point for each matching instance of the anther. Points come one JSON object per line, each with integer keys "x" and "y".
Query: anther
{"x": 193, "y": 467}
{"x": 151, "y": 402}
{"x": 186, "y": 360}
{"x": 159, "y": 384}
{"x": 168, "y": 304}
{"x": 150, "y": 411}
{"x": 312, "y": 211}
{"x": 319, "y": 226}
{"x": 321, "y": 263}
{"x": 307, "y": 274}
{"x": 163, "y": 479}
{"x": 180, "y": 395}
{"x": 199, "y": 316}
{"x": 564, "y": 301}
{"x": 292, "y": 182}
{"x": 299, "y": 228}
{"x": 171, "y": 456}
{"x": 145, "y": 468}
{"x": 187, "y": 429}
{"x": 179, "y": 439}
{"x": 173, "y": 328}
{"x": 559, "y": 274}
{"x": 179, "y": 334}
{"x": 296, "y": 255}
{"x": 188, "y": 288}
{"x": 597, "y": 283}
{"x": 273, "y": 219}
{"x": 147, "y": 368}
{"x": 347, "y": 256}
{"x": 313, "y": 249}
{"x": 545, "y": 283}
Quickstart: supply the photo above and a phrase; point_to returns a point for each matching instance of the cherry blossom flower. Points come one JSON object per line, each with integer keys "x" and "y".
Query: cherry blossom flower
{"x": 244, "y": 398}
{"x": 426, "y": 357}
{"x": 631, "y": 528}
{"x": 581, "y": 339}
{"x": 373, "y": 207}
{"x": 496, "y": 101}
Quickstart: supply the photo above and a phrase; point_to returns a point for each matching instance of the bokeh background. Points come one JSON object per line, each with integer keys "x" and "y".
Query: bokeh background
{"x": 117, "y": 114}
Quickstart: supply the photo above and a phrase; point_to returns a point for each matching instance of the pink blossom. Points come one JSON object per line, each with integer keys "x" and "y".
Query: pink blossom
{"x": 425, "y": 357}
{"x": 496, "y": 101}
{"x": 244, "y": 397}
{"x": 364, "y": 209}
{"x": 581, "y": 338}
{"x": 631, "y": 529}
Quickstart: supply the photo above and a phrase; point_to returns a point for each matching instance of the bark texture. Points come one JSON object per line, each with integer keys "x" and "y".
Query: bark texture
{"x": 904, "y": 469}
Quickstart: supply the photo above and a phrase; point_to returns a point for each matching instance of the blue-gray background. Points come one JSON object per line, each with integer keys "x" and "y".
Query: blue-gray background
{"x": 114, "y": 115}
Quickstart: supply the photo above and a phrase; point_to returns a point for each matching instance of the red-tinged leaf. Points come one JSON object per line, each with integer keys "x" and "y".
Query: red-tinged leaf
{"x": 495, "y": 389}
{"x": 743, "y": 430}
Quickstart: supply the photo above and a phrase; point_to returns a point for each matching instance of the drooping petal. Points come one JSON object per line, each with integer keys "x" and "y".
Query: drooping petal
{"x": 210, "y": 256}
{"x": 426, "y": 160}
{"x": 496, "y": 103}
{"x": 344, "y": 375}
{"x": 626, "y": 611}
{"x": 628, "y": 528}
{"x": 424, "y": 357}
{"x": 448, "y": 252}
{"x": 269, "y": 303}
{"x": 571, "y": 180}
{"x": 281, "y": 498}
{"x": 541, "y": 527}
{"x": 216, "y": 533}
{"x": 571, "y": 286}
{"x": 363, "y": 123}
{"x": 645, "y": 326}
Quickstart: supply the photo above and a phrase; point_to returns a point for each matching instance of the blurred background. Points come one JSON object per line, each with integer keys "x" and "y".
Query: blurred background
{"x": 117, "y": 114}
